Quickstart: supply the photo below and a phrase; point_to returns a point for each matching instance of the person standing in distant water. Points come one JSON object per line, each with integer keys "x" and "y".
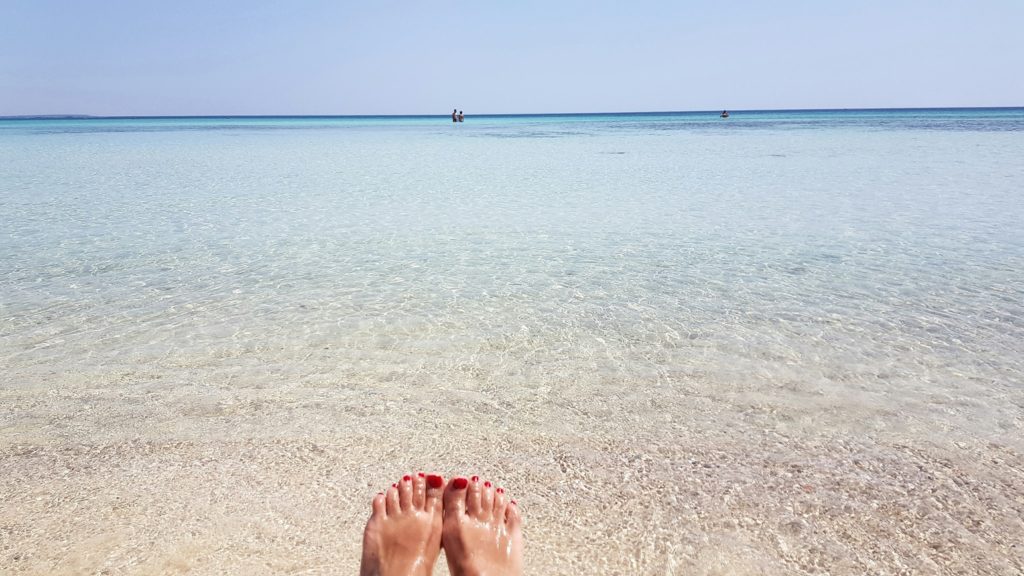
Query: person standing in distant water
{"x": 461, "y": 117}
{"x": 455, "y": 116}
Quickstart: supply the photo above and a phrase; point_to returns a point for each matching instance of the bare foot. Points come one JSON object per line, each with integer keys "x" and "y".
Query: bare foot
{"x": 482, "y": 532}
{"x": 403, "y": 535}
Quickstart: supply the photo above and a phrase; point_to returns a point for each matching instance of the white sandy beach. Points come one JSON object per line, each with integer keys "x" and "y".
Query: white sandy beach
{"x": 669, "y": 479}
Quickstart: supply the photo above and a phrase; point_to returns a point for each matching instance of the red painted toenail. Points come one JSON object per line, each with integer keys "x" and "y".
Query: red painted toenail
{"x": 501, "y": 490}
{"x": 406, "y": 478}
{"x": 435, "y": 481}
{"x": 475, "y": 478}
{"x": 420, "y": 474}
{"x": 394, "y": 485}
{"x": 487, "y": 484}
{"x": 459, "y": 483}
{"x": 513, "y": 501}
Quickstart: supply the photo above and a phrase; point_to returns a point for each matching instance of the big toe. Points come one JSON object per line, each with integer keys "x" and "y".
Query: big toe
{"x": 455, "y": 497}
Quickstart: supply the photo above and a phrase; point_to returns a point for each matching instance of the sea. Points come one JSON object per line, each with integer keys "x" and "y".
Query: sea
{"x": 689, "y": 306}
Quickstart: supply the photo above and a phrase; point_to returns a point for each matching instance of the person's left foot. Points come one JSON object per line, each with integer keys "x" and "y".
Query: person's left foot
{"x": 403, "y": 535}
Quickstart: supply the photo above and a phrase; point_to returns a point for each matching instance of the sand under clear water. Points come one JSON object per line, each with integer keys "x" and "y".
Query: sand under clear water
{"x": 787, "y": 344}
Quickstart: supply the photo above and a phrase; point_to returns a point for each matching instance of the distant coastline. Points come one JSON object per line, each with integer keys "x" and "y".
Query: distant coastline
{"x": 506, "y": 115}
{"x": 51, "y": 117}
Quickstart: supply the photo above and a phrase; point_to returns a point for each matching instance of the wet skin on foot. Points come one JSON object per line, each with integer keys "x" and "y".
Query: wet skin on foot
{"x": 482, "y": 529}
{"x": 403, "y": 535}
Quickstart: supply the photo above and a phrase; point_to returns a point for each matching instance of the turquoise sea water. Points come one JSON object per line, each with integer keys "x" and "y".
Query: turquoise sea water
{"x": 786, "y": 342}
{"x": 861, "y": 253}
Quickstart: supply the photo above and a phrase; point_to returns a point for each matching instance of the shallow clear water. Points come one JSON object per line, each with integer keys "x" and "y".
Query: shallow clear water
{"x": 812, "y": 274}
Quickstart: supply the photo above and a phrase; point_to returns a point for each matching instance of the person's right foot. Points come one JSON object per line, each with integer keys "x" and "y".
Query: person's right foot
{"x": 482, "y": 531}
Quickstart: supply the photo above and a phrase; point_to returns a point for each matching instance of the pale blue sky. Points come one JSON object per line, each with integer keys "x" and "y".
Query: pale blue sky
{"x": 137, "y": 57}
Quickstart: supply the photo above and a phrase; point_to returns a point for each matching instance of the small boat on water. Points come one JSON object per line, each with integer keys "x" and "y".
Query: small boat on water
{"x": 724, "y": 114}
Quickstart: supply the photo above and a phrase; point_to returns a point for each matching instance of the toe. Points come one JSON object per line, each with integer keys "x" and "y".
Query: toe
{"x": 473, "y": 497}
{"x": 391, "y": 499}
{"x": 487, "y": 500}
{"x": 500, "y": 501}
{"x": 379, "y": 507}
{"x": 512, "y": 518}
{"x": 405, "y": 493}
{"x": 435, "y": 492}
{"x": 419, "y": 489}
{"x": 455, "y": 498}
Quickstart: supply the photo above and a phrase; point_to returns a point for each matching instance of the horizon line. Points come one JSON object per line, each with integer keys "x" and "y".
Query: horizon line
{"x": 491, "y": 114}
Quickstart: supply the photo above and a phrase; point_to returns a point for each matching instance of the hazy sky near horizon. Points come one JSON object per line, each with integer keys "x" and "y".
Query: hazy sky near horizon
{"x": 131, "y": 57}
